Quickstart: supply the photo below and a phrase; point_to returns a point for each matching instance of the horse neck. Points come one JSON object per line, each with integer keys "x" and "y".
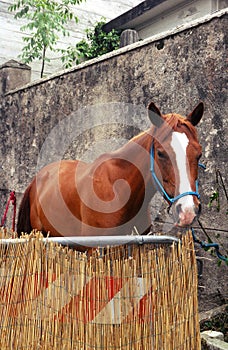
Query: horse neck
{"x": 137, "y": 153}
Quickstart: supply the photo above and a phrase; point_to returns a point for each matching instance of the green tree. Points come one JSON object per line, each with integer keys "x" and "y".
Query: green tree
{"x": 47, "y": 19}
{"x": 97, "y": 43}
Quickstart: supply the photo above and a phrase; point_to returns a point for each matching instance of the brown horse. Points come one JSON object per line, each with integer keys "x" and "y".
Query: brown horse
{"x": 111, "y": 195}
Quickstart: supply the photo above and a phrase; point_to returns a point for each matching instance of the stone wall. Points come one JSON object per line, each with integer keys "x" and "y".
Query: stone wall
{"x": 99, "y": 105}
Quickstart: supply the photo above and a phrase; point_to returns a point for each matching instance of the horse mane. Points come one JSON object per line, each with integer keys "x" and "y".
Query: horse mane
{"x": 173, "y": 122}
{"x": 142, "y": 139}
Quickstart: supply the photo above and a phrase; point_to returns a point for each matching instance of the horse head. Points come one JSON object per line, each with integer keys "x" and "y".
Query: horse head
{"x": 174, "y": 161}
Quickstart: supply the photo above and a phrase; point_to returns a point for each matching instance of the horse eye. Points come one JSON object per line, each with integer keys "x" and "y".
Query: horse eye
{"x": 161, "y": 154}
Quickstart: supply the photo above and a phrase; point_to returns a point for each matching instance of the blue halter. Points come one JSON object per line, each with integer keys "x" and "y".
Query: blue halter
{"x": 161, "y": 188}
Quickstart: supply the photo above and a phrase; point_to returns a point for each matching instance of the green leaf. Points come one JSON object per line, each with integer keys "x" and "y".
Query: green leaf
{"x": 98, "y": 42}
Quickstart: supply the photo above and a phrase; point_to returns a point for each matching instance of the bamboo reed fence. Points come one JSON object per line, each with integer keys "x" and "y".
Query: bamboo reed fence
{"x": 141, "y": 297}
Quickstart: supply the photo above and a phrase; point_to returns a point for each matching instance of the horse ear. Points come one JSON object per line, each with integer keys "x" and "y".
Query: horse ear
{"x": 196, "y": 114}
{"x": 155, "y": 115}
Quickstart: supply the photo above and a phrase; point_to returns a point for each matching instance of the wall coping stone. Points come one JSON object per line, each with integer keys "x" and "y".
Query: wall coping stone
{"x": 15, "y": 64}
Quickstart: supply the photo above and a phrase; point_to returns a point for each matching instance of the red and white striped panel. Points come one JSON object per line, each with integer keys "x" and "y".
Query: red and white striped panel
{"x": 73, "y": 297}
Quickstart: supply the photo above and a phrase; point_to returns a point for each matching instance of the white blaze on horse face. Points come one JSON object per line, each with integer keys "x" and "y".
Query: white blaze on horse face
{"x": 179, "y": 144}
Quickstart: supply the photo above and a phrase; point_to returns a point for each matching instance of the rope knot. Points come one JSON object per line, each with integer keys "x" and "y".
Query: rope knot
{"x": 13, "y": 197}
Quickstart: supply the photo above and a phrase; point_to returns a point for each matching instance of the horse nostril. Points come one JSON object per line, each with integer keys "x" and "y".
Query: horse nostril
{"x": 198, "y": 209}
{"x": 178, "y": 209}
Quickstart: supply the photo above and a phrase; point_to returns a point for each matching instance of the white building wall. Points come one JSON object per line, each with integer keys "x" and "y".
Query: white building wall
{"x": 175, "y": 13}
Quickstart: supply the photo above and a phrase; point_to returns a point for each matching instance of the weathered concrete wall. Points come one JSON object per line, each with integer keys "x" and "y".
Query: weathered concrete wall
{"x": 90, "y": 102}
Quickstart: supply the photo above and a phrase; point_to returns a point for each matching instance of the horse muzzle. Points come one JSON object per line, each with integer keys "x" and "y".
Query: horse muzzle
{"x": 185, "y": 215}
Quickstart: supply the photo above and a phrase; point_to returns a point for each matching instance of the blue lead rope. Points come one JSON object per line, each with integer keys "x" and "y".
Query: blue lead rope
{"x": 202, "y": 166}
{"x": 205, "y": 245}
